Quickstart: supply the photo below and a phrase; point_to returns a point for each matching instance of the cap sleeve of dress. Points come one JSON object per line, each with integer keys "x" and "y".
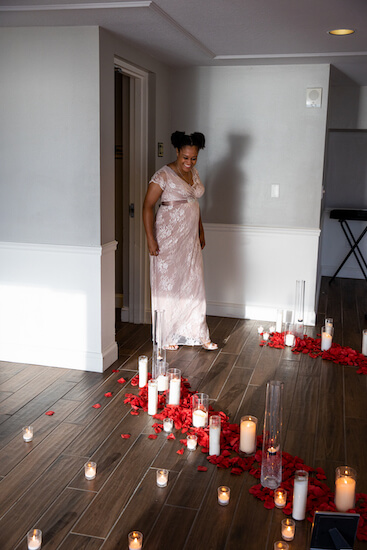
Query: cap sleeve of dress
{"x": 160, "y": 179}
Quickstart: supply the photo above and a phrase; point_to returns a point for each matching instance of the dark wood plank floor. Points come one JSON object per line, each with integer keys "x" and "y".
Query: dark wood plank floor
{"x": 42, "y": 483}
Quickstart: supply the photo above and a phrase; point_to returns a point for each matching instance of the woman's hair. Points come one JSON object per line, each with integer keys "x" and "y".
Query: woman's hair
{"x": 180, "y": 139}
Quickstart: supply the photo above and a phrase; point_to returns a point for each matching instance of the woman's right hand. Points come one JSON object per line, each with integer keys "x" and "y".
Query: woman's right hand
{"x": 153, "y": 247}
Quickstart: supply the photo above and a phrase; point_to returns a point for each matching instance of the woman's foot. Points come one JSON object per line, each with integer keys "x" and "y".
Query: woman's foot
{"x": 210, "y": 346}
{"x": 172, "y": 347}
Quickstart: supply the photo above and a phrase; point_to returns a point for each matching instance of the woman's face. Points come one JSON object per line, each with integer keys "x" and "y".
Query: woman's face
{"x": 187, "y": 157}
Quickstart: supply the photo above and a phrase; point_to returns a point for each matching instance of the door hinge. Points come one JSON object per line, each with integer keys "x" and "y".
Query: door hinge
{"x": 131, "y": 210}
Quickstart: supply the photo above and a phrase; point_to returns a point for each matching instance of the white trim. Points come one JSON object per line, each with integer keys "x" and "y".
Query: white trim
{"x": 138, "y": 182}
{"x": 87, "y": 6}
{"x": 61, "y": 248}
{"x": 289, "y": 55}
{"x": 258, "y": 230}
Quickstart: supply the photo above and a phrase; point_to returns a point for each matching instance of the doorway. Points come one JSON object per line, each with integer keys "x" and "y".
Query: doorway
{"x": 131, "y": 175}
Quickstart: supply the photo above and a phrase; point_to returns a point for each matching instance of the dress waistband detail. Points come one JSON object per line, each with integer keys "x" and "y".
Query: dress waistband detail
{"x": 173, "y": 203}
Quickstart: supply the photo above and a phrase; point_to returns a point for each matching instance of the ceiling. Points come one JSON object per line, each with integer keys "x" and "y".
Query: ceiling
{"x": 217, "y": 32}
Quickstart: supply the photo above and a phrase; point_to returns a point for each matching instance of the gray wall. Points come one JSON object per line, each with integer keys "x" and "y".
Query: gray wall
{"x": 49, "y": 149}
{"x": 259, "y": 132}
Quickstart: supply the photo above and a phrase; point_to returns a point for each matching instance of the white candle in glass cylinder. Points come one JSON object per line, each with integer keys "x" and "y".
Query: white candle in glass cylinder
{"x": 191, "y": 442}
{"x": 90, "y": 470}
{"x": 199, "y": 418}
{"x": 289, "y": 339}
{"x": 223, "y": 495}
{"x": 279, "y": 322}
{"x": 143, "y": 370}
{"x": 168, "y": 424}
{"x": 34, "y": 539}
{"x": 280, "y": 497}
{"x": 162, "y": 381}
{"x": 248, "y": 434}
{"x": 326, "y": 338}
{"x": 152, "y": 397}
{"x": 135, "y": 539}
{"x": 364, "y": 342}
{"x": 28, "y": 433}
{"x": 174, "y": 391}
{"x": 300, "y": 495}
{"x": 214, "y": 435}
{"x": 288, "y": 529}
{"x": 162, "y": 478}
{"x": 345, "y": 488}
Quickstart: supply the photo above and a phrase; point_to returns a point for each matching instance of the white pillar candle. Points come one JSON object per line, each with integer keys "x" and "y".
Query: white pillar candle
{"x": 300, "y": 495}
{"x": 326, "y": 338}
{"x": 28, "y": 433}
{"x": 214, "y": 435}
{"x": 288, "y": 529}
{"x": 34, "y": 539}
{"x": 248, "y": 434}
{"x": 199, "y": 418}
{"x": 162, "y": 478}
{"x": 90, "y": 470}
{"x": 364, "y": 342}
{"x": 191, "y": 442}
{"x": 168, "y": 425}
{"x": 174, "y": 391}
{"x": 135, "y": 539}
{"x": 162, "y": 382}
{"x": 152, "y": 397}
{"x": 223, "y": 495}
{"x": 143, "y": 370}
{"x": 345, "y": 488}
{"x": 280, "y": 497}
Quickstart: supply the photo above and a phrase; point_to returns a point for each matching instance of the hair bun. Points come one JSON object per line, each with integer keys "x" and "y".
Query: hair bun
{"x": 180, "y": 139}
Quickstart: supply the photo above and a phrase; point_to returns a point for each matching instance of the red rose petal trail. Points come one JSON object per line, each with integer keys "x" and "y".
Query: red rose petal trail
{"x": 320, "y": 497}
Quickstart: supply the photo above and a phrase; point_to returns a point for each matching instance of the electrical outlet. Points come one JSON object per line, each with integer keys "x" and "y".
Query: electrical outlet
{"x": 275, "y": 191}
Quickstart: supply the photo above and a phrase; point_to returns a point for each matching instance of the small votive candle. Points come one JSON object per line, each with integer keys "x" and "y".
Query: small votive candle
{"x": 223, "y": 495}
{"x": 326, "y": 338}
{"x": 248, "y": 428}
{"x": 168, "y": 425}
{"x": 280, "y": 545}
{"x": 260, "y": 329}
{"x": 272, "y": 329}
{"x": 266, "y": 336}
{"x": 280, "y": 497}
{"x": 191, "y": 442}
{"x": 288, "y": 529}
{"x": 364, "y": 342}
{"x": 28, "y": 433}
{"x": 162, "y": 478}
{"x": 135, "y": 539}
{"x": 90, "y": 469}
{"x": 34, "y": 539}
{"x": 345, "y": 488}
{"x": 329, "y": 322}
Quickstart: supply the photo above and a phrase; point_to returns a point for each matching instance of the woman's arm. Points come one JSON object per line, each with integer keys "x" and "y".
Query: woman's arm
{"x": 201, "y": 233}
{"x": 153, "y": 193}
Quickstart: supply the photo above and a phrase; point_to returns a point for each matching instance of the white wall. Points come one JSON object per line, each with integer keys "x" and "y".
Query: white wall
{"x": 57, "y": 194}
{"x": 259, "y": 132}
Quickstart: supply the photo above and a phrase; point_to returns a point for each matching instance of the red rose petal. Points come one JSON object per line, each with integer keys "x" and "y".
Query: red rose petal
{"x": 134, "y": 413}
{"x": 108, "y": 394}
{"x": 180, "y": 451}
{"x": 125, "y": 436}
{"x": 202, "y": 469}
{"x": 49, "y": 413}
{"x": 115, "y": 370}
{"x": 121, "y": 380}
{"x": 171, "y": 436}
{"x": 152, "y": 436}
{"x": 96, "y": 406}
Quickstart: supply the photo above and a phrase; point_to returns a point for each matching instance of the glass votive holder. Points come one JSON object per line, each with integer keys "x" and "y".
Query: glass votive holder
{"x": 162, "y": 477}
{"x": 34, "y": 539}
{"x": 280, "y": 545}
{"x": 162, "y": 376}
{"x": 280, "y": 497}
{"x": 224, "y": 494}
{"x": 200, "y": 408}
{"x": 272, "y": 329}
{"x": 191, "y": 442}
{"x": 143, "y": 370}
{"x": 174, "y": 393}
{"x": 289, "y": 338}
{"x": 326, "y": 338}
{"x": 288, "y": 528}
{"x": 260, "y": 329}
{"x": 168, "y": 425}
{"x": 28, "y": 433}
{"x": 329, "y": 322}
{"x": 266, "y": 335}
{"x": 345, "y": 488}
{"x": 90, "y": 470}
{"x": 135, "y": 539}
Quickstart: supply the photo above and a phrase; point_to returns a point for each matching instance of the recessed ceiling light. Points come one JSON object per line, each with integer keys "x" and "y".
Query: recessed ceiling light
{"x": 342, "y": 32}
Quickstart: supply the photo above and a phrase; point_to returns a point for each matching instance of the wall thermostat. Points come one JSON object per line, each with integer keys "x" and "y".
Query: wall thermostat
{"x": 313, "y": 97}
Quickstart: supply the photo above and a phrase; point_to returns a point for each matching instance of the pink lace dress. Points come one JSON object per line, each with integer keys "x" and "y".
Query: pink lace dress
{"x": 176, "y": 274}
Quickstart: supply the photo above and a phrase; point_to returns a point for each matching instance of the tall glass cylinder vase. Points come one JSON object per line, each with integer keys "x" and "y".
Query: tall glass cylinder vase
{"x": 299, "y": 309}
{"x": 159, "y": 350}
{"x": 271, "y": 462}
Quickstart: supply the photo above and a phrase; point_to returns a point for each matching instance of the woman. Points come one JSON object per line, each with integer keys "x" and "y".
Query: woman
{"x": 175, "y": 239}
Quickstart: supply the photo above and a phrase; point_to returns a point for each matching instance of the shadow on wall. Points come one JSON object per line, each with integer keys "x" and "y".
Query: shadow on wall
{"x": 225, "y": 186}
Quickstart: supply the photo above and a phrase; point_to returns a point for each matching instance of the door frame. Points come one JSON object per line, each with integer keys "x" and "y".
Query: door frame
{"x": 138, "y": 160}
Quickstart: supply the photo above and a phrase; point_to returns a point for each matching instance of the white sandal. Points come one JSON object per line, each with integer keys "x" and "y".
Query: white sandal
{"x": 172, "y": 347}
{"x": 210, "y": 346}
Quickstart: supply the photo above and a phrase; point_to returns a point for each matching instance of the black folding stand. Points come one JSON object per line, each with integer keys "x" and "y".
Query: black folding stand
{"x": 343, "y": 216}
